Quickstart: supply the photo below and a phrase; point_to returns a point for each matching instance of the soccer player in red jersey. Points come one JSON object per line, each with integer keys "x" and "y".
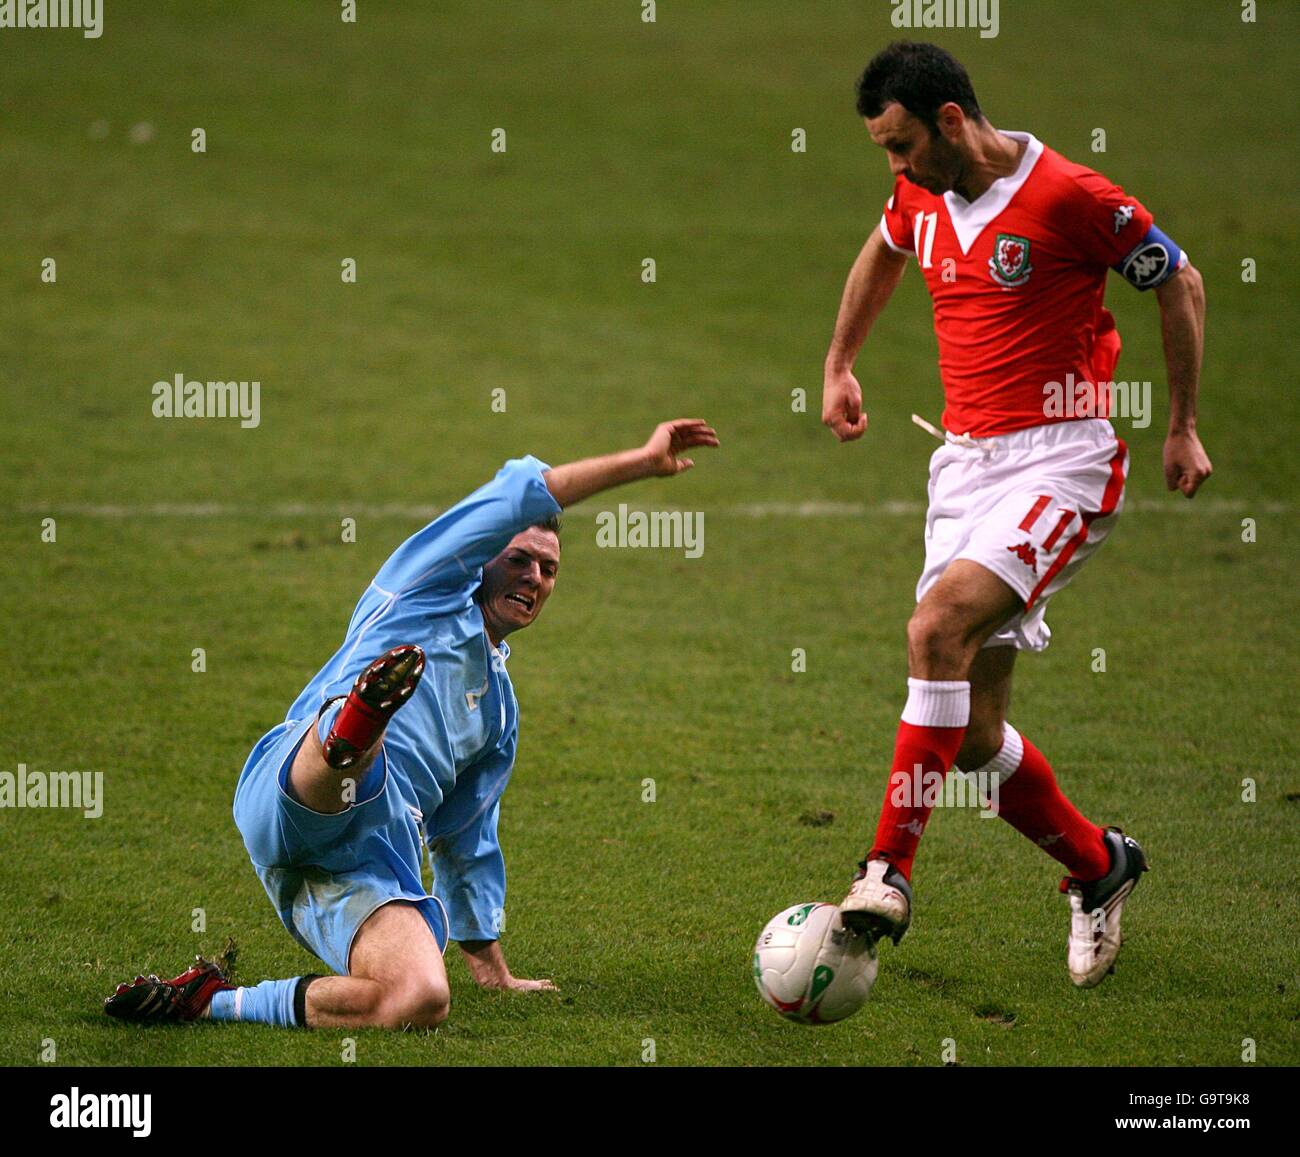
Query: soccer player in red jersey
{"x": 1014, "y": 242}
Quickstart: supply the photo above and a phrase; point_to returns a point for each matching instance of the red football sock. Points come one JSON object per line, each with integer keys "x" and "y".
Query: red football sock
{"x": 1032, "y": 803}
{"x": 359, "y": 723}
{"x": 929, "y": 736}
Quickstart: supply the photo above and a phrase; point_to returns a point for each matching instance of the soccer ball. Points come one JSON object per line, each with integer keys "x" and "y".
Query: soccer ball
{"x": 810, "y": 968}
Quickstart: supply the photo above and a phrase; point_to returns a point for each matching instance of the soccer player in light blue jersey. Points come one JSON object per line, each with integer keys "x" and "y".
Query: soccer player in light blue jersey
{"x": 338, "y": 804}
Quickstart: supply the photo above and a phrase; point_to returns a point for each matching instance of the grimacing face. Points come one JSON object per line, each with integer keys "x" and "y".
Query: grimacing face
{"x": 926, "y": 159}
{"x": 517, "y": 583}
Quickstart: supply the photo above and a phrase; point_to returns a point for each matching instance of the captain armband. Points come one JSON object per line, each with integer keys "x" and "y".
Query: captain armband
{"x": 1152, "y": 262}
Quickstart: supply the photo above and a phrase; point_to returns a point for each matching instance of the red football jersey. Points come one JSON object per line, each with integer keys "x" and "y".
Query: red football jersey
{"x": 1017, "y": 279}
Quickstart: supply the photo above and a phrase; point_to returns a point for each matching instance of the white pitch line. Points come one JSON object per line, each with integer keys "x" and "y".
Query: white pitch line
{"x": 811, "y": 509}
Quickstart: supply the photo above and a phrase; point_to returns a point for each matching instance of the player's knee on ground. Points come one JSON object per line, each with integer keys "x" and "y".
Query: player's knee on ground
{"x": 419, "y": 1003}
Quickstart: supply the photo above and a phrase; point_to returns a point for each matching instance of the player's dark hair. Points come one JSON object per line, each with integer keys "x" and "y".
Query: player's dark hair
{"x": 552, "y": 524}
{"x": 920, "y": 77}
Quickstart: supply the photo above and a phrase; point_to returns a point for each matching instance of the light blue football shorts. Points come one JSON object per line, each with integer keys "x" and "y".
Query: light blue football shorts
{"x": 326, "y": 874}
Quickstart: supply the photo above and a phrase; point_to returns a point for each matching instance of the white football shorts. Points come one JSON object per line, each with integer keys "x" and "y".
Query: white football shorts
{"x": 1031, "y": 506}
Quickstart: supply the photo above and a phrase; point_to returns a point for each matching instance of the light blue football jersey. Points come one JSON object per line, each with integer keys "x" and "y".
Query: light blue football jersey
{"x": 451, "y": 747}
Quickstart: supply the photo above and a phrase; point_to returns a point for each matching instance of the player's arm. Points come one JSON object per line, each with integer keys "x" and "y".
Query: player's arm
{"x": 660, "y": 456}
{"x": 469, "y": 870}
{"x": 1182, "y": 328}
{"x": 871, "y": 282}
{"x": 1117, "y": 230}
{"x": 448, "y": 552}
{"x": 470, "y": 881}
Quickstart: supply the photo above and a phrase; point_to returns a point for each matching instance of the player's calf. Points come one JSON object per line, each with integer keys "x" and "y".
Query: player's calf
{"x": 413, "y": 1001}
{"x": 982, "y": 741}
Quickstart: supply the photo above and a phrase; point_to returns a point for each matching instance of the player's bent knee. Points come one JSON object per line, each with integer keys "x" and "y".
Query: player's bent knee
{"x": 935, "y": 635}
{"x": 422, "y": 1005}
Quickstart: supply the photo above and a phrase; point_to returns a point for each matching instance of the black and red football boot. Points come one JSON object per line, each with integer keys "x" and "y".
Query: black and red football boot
{"x": 375, "y": 697}
{"x": 150, "y": 1000}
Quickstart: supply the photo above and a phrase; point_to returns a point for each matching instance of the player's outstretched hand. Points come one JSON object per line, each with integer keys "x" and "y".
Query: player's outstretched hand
{"x": 1186, "y": 463}
{"x": 670, "y": 439}
{"x": 842, "y": 405}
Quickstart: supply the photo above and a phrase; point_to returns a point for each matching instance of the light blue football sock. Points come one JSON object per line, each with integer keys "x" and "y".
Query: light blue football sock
{"x": 271, "y": 1002}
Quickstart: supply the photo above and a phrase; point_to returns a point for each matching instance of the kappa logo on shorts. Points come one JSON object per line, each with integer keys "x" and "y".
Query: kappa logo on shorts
{"x": 1026, "y": 554}
{"x": 1009, "y": 264}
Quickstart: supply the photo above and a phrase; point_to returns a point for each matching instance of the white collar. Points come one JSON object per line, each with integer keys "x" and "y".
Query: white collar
{"x": 970, "y": 217}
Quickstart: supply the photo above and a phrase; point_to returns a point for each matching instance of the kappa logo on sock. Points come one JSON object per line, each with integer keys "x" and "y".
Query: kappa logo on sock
{"x": 915, "y": 827}
{"x": 1026, "y": 554}
{"x": 1048, "y": 841}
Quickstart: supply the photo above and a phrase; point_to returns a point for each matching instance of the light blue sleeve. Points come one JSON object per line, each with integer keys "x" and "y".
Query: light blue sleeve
{"x": 449, "y": 553}
{"x": 469, "y": 871}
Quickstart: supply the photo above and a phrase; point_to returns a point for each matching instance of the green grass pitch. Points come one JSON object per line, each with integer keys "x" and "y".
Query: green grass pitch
{"x": 521, "y": 270}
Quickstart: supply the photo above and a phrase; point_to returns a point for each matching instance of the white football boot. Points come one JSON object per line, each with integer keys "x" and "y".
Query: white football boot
{"x": 880, "y": 902}
{"x": 1095, "y": 909}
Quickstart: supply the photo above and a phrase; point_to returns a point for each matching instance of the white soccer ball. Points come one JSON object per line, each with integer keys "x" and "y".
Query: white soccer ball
{"x": 810, "y": 968}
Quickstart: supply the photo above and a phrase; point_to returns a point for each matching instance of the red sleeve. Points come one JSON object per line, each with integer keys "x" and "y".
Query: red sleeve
{"x": 1106, "y": 222}
{"x": 896, "y": 222}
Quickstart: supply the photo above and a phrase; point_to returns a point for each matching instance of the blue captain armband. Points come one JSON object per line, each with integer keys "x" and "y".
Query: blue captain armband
{"x": 1152, "y": 262}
